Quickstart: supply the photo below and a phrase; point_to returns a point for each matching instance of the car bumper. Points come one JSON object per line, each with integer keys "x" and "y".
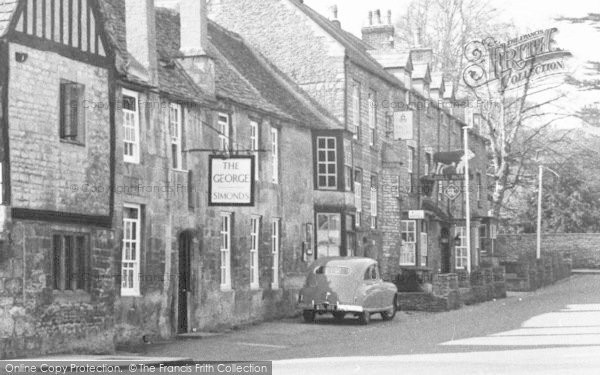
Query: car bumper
{"x": 326, "y": 307}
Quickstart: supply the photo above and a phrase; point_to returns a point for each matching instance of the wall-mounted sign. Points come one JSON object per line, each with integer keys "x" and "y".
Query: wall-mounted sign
{"x": 231, "y": 180}
{"x": 416, "y": 215}
{"x": 452, "y": 192}
{"x": 403, "y": 125}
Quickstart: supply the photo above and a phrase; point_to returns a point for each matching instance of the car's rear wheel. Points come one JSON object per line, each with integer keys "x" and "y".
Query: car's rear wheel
{"x": 391, "y": 313}
{"x": 308, "y": 316}
{"x": 364, "y": 318}
{"x": 339, "y": 315}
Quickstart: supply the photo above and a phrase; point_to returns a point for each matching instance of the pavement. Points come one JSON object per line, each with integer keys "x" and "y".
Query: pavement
{"x": 555, "y": 330}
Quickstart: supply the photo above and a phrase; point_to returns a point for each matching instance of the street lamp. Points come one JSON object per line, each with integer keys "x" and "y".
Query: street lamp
{"x": 538, "y": 252}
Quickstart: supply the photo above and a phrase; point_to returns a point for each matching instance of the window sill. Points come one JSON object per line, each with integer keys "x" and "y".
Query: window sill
{"x": 180, "y": 170}
{"x": 71, "y": 296}
{"x": 131, "y": 162}
{"x": 74, "y": 143}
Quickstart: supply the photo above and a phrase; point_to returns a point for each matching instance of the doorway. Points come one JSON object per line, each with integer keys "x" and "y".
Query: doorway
{"x": 445, "y": 250}
{"x": 185, "y": 284}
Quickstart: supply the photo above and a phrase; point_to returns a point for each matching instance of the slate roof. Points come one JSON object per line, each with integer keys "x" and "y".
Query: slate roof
{"x": 421, "y": 71}
{"x": 392, "y": 58}
{"x": 247, "y": 77}
{"x": 437, "y": 81}
{"x": 242, "y": 75}
{"x": 7, "y": 9}
{"x": 356, "y": 49}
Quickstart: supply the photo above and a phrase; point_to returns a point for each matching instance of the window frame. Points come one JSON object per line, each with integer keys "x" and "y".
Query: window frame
{"x": 255, "y": 146}
{"x": 135, "y": 157}
{"x": 372, "y": 116}
{"x": 255, "y": 224}
{"x": 66, "y": 112}
{"x": 134, "y": 290}
{"x": 225, "y": 251}
{"x": 224, "y": 127}
{"x": 327, "y": 163}
{"x": 374, "y": 197}
{"x": 71, "y": 262}
{"x": 275, "y": 251}
{"x": 358, "y": 182}
{"x": 356, "y": 109}
{"x": 176, "y": 139}
{"x": 329, "y": 216}
{"x": 408, "y": 254}
{"x": 461, "y": 251}
{"x": 275, "y": 154}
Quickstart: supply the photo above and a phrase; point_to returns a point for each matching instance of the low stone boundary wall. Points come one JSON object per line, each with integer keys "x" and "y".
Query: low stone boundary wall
{"x": 531, "y": 274}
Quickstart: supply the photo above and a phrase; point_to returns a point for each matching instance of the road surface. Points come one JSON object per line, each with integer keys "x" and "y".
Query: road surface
{"x": 554, "y": 330}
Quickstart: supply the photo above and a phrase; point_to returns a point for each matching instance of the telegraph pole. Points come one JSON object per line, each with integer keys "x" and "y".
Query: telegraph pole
{"x": 467, "y": 198}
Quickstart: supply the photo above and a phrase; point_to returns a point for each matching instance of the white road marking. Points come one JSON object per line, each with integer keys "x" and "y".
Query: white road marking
{"x": 575, "y": 325}
{"x": 261, "y": 345}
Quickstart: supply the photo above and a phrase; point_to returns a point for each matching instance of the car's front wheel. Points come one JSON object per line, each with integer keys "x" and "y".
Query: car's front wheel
{"x": 391, "y": 313}
{"x": 364, "y": 318}
{"x": 309, "y": 316}
{"x": 339, "y": 316}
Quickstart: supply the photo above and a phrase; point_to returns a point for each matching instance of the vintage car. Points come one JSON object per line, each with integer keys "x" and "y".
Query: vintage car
{"x": 344, "y": 286}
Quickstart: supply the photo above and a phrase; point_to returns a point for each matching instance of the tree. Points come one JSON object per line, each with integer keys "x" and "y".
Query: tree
{"x": 570, "y": 203}
{"x": 518, "y": 123}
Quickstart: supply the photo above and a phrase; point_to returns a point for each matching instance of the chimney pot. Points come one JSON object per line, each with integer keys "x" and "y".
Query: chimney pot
{"x": 378, "y": 15}
{"x": 370, "y": 18}
{"x": 194, "y": 32}
{"x": 389, "y": 16}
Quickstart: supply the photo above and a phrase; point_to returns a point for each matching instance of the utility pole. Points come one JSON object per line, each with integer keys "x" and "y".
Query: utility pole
{"x": 467, "y": 198}
{"x": 538, "y": 252}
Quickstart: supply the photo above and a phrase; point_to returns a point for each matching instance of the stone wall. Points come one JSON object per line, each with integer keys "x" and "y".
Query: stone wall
{"x": 37, "y": 320}
{"x": 582, "y": 248}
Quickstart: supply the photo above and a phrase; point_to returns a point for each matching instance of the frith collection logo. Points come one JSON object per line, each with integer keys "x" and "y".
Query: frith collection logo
{"x": 514, "y": 63}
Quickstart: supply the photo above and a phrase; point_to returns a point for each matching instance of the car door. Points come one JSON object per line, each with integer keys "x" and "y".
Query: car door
{"x": 372, "y": 289}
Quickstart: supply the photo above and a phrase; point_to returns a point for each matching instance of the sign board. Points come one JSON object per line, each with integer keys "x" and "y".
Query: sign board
{"x": 452, "y": 192}
{"x": 403, "y": 125}
{"x": 416, "y": 215}
{"x": 231, "y": 180}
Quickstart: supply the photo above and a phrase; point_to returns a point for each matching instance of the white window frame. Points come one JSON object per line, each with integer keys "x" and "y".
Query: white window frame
{"x": 224, "y": 121}
{"x": 275, "y": 250}
{"x": 358, "y": 196}
{"x": 374, "y": 197}
{"x": 461, "y": 256}
{"x": 131, "y": 129}
{"x": 176, "y": 131}
{"x": 225, "y": 251}
{"x": 408, "y": 250}
{"x": 424, "y": 249}
{"x": 356, "y": 110}
{"x": 275, "y": 154}
{"x": 327, "y": 163}
{"x": 410, "y": 160}
{"x": 254, "y": 245}
{"x": 372, "y": 110}
{"x": 479, "y": 183}
{"x": 128, "y": 263}
{"x": 255, "y": 146}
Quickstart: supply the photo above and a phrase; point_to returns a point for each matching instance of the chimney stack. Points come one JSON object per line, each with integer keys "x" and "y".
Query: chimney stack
{"x": 194, "y": 27}
{"x": 377, "y": 34}
{"x": 140, "y": 24}
{"x": 194, "y": 43}
{"x": 334, "y": 16}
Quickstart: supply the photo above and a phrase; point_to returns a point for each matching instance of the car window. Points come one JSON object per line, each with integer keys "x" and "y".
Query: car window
{"x": 332, "y": 270}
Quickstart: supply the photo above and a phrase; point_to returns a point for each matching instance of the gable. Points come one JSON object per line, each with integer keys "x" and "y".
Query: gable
{"x": 72, "y": 24}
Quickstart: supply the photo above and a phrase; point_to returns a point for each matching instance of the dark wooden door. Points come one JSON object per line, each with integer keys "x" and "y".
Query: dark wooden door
{"x": 185, "y": 246}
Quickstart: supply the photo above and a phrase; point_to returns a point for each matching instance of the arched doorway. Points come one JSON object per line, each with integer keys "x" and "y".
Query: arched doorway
{"x": 185, "y": 281}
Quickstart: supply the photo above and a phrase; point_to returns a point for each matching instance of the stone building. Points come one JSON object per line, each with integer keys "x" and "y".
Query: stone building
{"x": 190, "y": 89}
{"x": 402, "y": 121}
{"x": 58, "y": 164}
